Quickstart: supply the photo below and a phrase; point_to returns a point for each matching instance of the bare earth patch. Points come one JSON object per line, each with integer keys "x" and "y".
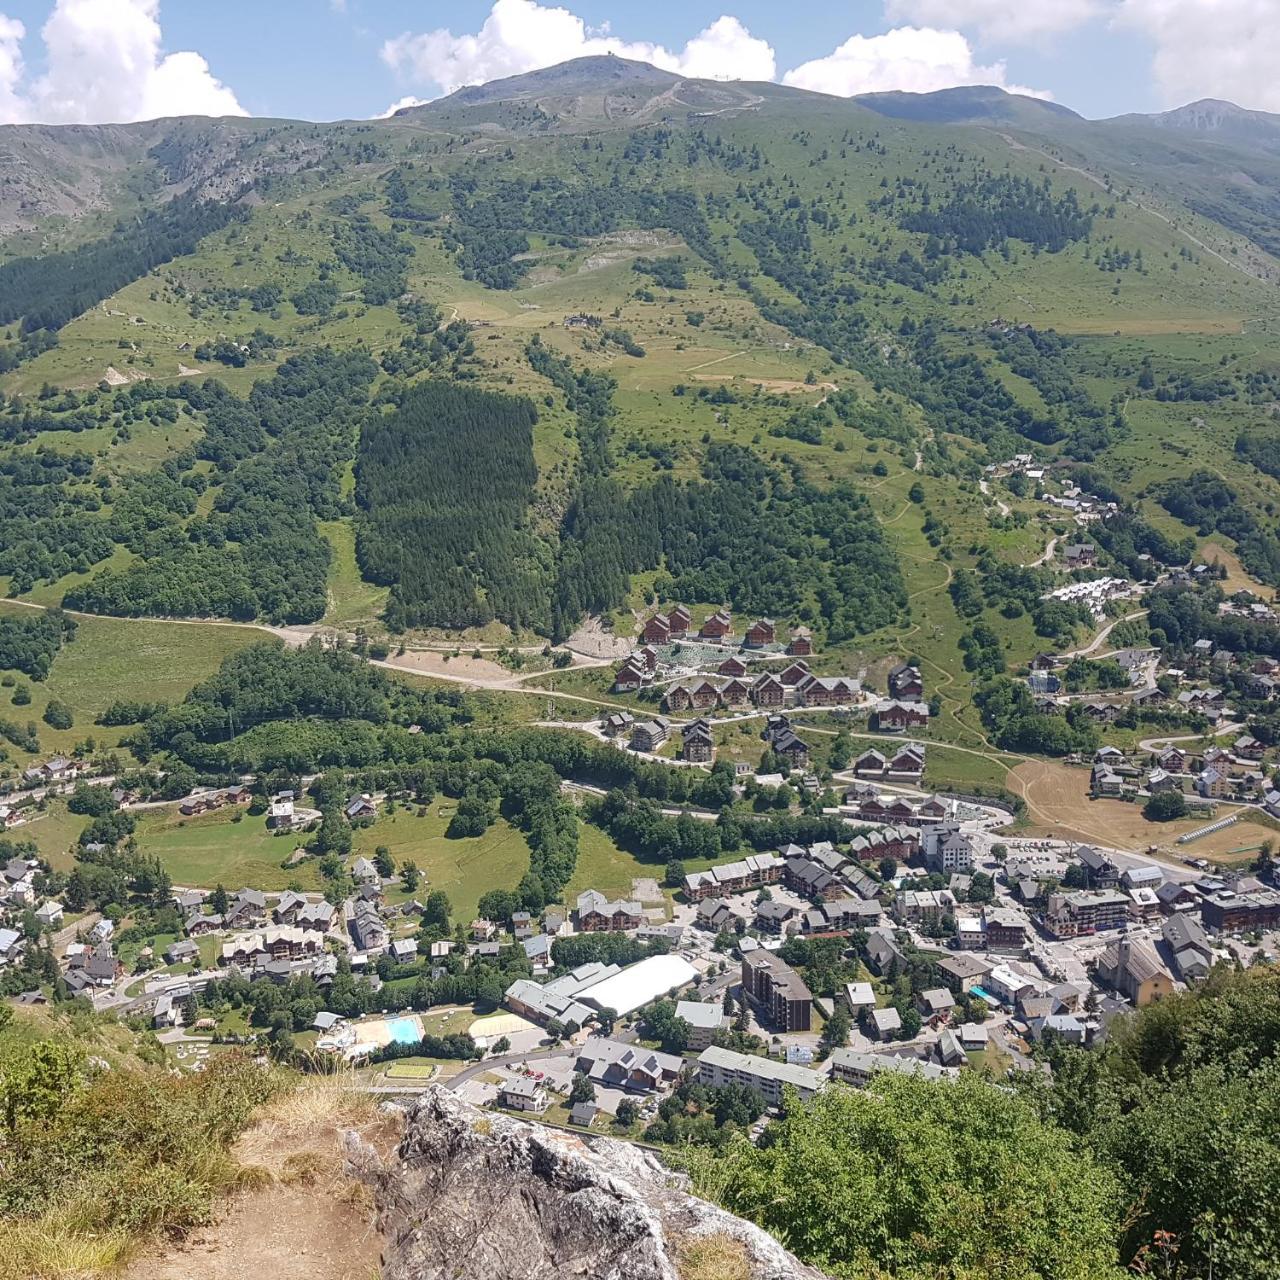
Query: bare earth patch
{"x": 593, "y": 641}
{"x": 767, "y": 384}
{"x": 481, "y": 670}
{"x": 645, "y": 889}
{"x": 1058, "y": 805}
{"x": 299, "y": 1217}
{"x": 1237, "y": 579}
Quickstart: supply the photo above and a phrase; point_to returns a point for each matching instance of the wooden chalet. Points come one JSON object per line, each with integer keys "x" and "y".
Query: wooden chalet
{"x": 657, "y": 630}
{"x": 717, "y": 627}
{"x": 826, "y": 691}
{"x": 906, "y": 682}
{"x": 697, "y": 744}
{"x": 793, "y": 674}
{"x": 801, "y": 643}
{"x": 768, "y": 691}
{"x": 795, "y": 749}
{"x": 896, "y": 717}
{"x": 628, "y": 677}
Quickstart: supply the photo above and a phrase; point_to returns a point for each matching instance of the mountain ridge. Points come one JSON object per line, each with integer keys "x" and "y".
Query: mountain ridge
{"x": 603, "y": 72}
{"x": 964, "y": 104}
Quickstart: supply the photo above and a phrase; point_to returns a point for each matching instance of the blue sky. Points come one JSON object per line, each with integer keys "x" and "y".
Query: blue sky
{"x": 97, "y": 60}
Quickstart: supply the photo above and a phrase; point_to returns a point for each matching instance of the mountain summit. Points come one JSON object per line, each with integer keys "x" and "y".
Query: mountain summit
{"x": 586, "y": 92}
{"x": 1217, "y": 121}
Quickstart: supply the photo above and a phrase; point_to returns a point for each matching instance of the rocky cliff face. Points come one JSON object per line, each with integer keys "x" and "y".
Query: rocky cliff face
{"x": 471, "y": 1195}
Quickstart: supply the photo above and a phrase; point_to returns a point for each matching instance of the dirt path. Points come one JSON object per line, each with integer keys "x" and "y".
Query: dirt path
{"x": 780, "y": 385}
{"x": 706, "y": 364}
{"x": 476, "y": 673}
{"x": 1002, "y": 507}
{"x": 1159, "y": 744}
{"x": 306, "y": 1221}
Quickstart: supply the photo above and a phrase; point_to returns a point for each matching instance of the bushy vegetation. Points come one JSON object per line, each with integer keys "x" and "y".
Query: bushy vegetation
{"x": 667, "y": 272}
{"x": 490, "y": 227}
{"x": 1152, "y": 1155}
{"x": 380, "y": 258}
{"x": 983, "y": 214}
{"x": 1210, "y": 504}
{"x": 98, "y": 1160}
{"x": 270, "y": 707}
{"x": 1179, "y": 1109}
{"x": 1179, "y": 616}
{"x": 258, "y": 553}
{"x": 765, "y": 542}
{"x": 923, "y": 1181}
{"x": 1008, "y": 710}
{"x": 29, "y": 642}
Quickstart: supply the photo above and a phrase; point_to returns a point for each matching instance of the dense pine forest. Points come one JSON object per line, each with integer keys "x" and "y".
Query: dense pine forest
{"x": 444, "y": 485}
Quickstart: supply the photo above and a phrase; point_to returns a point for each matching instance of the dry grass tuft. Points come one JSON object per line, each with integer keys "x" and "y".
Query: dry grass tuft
{"x": 315, "y": 1110}
{"x": 303, "y": 1168}
{"x": 249, "y": 1177}
{"x": 717, "y": 1257}
{"x": 49, "y": 1249}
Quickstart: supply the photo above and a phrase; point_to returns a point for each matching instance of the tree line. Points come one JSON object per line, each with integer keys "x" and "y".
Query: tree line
{"x": 46, "y": 292}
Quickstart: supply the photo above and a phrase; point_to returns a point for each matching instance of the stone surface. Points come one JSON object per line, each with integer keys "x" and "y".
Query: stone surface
{"x": 475, "y": 1195}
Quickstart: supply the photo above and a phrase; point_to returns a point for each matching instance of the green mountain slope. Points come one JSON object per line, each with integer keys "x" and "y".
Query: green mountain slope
{"x": 716, "y": 301}
{"x": 474, "y": 390}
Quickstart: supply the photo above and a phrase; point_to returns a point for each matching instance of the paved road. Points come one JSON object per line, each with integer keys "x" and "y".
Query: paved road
{"x": 1159, "y": 744}
{"x": 505, "y": 1060}
{"x": 1046, "y": 555}
{"x": 1096, "y": 643}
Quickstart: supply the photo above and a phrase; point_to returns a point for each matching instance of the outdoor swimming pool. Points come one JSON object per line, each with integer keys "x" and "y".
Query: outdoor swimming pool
{"x": 404, "y": 1030}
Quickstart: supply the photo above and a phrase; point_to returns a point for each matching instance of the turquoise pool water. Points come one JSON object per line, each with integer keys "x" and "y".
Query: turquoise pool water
{"x": 404, "y": 1031}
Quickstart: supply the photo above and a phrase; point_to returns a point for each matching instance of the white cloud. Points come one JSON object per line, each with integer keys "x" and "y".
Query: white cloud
{"x": 409, "y": 100}
{"x": 1008, "y": 20}
{"x": 1211, "y": 48}
{"x": 913, "y": 59}
{"x": 104, "y": 63}
{"x": 727, "y": 50}
{"x": 522, "y": 35}
{"x": 11, "y": 33}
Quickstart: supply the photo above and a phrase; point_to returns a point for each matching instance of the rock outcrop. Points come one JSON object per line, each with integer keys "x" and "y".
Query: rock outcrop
{"x": 474, "y": 1195}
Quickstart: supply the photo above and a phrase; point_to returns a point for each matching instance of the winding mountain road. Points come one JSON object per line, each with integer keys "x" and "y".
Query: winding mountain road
{"x": 1100, "y": 639}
